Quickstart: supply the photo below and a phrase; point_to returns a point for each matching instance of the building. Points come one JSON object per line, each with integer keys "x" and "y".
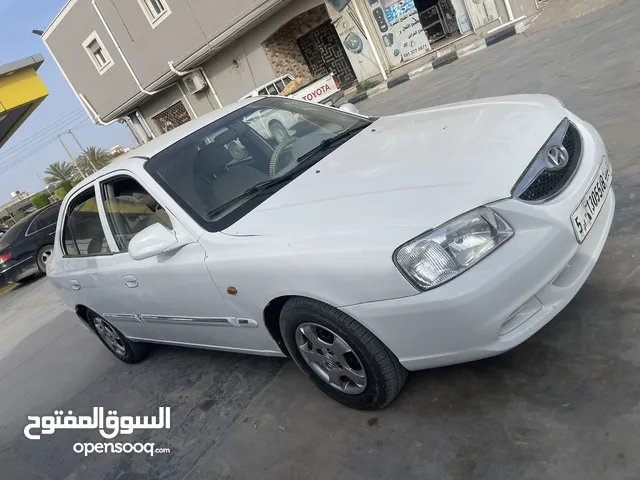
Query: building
{"x": 19, "y": 206}
{"x": 155, "y": 64}
{"x": 21, "y": 91}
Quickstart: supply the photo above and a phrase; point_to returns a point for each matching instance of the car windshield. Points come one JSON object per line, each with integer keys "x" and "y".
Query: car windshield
{"x": 225, "y": 169}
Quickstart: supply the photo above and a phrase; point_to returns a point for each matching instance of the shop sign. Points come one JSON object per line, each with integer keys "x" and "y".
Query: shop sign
{"x": 398, "y": 25}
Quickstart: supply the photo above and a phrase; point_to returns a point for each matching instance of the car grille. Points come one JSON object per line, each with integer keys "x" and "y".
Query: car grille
{"x": 549, "y": 183}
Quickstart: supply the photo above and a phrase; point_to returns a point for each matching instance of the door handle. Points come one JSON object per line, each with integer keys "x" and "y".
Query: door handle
{"x": 130, "y": 281}
{"x": 74, "y": 284}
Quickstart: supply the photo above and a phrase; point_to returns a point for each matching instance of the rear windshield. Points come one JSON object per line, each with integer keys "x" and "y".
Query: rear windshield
{"x": 12, "y": 234}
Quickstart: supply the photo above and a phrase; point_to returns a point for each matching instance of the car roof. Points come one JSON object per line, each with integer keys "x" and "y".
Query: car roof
{"x": 140, "y": 155}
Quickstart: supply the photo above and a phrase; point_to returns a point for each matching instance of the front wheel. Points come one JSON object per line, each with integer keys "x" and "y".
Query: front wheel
{"x": 278, "y": 131}
{"x": 116, "y": 342}
{"x": 344, "y": 359}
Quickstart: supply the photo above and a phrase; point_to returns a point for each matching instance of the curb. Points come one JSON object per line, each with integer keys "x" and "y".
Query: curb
{"x": 495, "y": 37}
{"x": 500, "y": 35}
{"x": 445, "y": 59}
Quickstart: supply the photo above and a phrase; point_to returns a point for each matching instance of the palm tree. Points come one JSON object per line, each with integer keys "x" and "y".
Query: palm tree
{"x": 93, "y": 157}
{"x": 60, "y": 174}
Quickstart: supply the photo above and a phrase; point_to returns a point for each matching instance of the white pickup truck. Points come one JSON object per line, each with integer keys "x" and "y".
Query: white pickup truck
{"x": 278, "y": 126}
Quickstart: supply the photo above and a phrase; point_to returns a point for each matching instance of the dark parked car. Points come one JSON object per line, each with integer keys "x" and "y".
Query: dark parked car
{"x": 26, "y": 247}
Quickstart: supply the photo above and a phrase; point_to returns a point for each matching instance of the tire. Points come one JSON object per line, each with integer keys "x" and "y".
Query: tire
{"x": 42, "y": 256}
{"x": 384, "y": 377}
{"x": 126, "y": 350}
{"x": 278, "y": 131}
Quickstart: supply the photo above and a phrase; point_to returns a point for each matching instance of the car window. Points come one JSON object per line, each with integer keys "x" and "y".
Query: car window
{"x": 271, "y": 89}
{"x": 82, "y": 234}
{"x": 207, "y": 181}
{"x": 279, "y": 85}
{"x": 263, "y": 92}
{"x": 130, "y": 209}
{"x": 45, "y": 219}
{"x": 286, "y": 80}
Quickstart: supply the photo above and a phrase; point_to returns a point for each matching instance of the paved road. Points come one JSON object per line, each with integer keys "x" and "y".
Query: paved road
{"x": 564, "y": 405}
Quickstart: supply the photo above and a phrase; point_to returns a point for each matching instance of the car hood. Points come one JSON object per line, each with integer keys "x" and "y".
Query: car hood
{"x": 417, "y": 169}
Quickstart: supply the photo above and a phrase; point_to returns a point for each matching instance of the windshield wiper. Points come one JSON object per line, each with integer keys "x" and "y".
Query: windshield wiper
{"x": 257, "y": 188}
{"x": 262, "y": 186}
{"x": 329, "y": 142}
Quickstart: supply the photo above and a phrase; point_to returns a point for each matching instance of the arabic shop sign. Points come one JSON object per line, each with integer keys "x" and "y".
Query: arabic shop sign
{"x": 399, "y": 28}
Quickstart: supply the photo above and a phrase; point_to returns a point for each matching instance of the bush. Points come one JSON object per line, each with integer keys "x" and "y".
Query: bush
{"x": 61, "y": 192}
{"x": 40, "y": 200}
{"x": 366, "y": 85}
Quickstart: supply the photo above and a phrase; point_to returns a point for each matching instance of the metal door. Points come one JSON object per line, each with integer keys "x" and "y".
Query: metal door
{"x": 481, "y": 12}
{"x": 323, "y": 52}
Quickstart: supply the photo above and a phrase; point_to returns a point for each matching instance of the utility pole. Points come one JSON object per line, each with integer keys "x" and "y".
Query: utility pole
{"x": 73, "y": 160}
{"x": 83, "y": 151}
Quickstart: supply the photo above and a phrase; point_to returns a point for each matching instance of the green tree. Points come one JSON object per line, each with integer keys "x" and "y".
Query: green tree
{"x": 60, "y": 174}
{"x": 93, "y": 157}
{"x": 40, "y": 200}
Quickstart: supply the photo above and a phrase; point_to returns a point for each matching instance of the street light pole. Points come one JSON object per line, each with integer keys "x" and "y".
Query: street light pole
{"x": 73, "y": 160}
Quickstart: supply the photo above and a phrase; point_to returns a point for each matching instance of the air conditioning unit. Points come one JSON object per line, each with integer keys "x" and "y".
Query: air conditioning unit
{"x": 195, "y": 82}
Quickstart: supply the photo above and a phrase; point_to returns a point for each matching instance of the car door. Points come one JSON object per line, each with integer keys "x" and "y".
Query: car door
{"x": 92, "y": 267}
{"x": 171, "y": 292}
{"x": 42, "y": 229}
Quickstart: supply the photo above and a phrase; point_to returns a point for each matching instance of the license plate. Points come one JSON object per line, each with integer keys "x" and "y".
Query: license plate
{"x": 584, "y": 216}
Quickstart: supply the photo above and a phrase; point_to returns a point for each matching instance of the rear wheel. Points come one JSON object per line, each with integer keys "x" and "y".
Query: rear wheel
{"x": 344, "y": 359}
{"x": 116, "y": 342}
{"x": 43, "y": 256}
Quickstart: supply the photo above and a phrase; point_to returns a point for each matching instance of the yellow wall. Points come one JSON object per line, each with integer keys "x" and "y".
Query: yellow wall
{"x": 18, "y": 89}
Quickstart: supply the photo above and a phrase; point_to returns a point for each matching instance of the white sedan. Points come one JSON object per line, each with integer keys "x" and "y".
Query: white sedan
{"x": 360, "y": 247}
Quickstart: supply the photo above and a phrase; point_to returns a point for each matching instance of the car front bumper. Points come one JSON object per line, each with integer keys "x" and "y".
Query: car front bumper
{"x": 510, "y": 295}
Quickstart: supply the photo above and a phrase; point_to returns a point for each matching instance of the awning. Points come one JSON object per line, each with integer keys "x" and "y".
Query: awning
{"x": 21, "y": 91}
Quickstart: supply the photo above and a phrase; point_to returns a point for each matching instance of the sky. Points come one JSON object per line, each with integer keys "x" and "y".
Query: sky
{"x": 60, "y": 110}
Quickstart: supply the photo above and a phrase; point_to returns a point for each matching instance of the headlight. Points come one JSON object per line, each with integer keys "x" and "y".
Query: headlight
{"x": 437, "y": 256}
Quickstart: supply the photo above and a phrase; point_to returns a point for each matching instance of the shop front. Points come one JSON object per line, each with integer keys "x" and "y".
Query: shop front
{"x": 409, "y": 29}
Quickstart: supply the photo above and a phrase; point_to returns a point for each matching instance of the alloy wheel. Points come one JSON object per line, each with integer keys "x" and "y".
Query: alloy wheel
{"x": 45, "y": 256}
{"x": 331, "y": 358}
{"x": 110, "y": 336}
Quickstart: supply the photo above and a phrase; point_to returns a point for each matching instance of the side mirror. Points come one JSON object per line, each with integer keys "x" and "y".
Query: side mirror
{"x": 152, "y": 241}
{"x": 349, "y": 107}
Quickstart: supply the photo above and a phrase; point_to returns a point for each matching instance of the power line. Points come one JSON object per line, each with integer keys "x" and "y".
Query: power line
{"x": 33, "y": 142}
{"x": 62, "y": 119}
{"x": 8, "y": 164}
{"x": 42, "y": 141}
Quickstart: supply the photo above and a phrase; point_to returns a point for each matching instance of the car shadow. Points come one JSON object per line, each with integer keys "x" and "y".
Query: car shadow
{"x": 24, "y": 283}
